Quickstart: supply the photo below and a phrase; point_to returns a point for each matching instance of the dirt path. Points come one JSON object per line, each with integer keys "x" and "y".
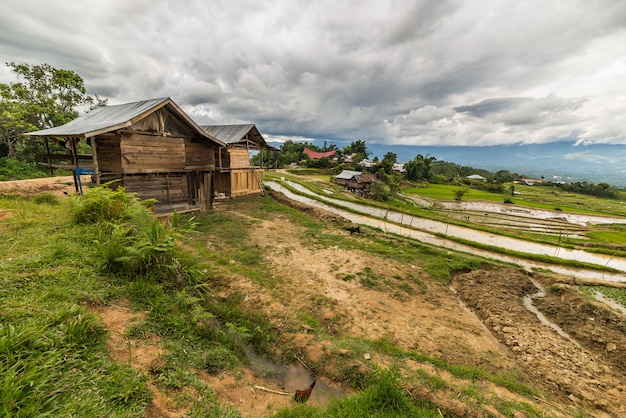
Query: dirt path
{"x": 479, "y": 320}
{"x": 58, "y": 186}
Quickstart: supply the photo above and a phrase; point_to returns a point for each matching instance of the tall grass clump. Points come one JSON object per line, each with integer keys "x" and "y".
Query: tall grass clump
{"x": 105, "y": 204}
{"x": 133, "y": 242}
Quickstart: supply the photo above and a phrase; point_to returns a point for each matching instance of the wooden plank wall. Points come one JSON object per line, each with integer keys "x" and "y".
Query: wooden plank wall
{"x": 167, "y": 188}
{"x": 222, "y": 183}
{"x": 173, "y": 191}
{"x": 200, "y": 156}
{"x": 148, "y": 153}
{"x": 239, "y": 158}
{"x": 244, "y": 182}
{"x": 109, "y": 154}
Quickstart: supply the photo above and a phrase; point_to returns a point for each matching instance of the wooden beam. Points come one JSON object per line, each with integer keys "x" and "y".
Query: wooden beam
{"x": 68, "y": 156}
{"x": 96, "y": 166}
{"x": 48, "y": 153}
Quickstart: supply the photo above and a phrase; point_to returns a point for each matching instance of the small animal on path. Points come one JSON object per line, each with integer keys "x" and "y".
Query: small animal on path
{"x": 303, "y": 395}
{"x": 353, "y": 229}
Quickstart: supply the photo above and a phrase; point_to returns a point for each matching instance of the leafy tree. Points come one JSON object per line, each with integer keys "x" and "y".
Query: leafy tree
{"x": 323, "y": 162}
{"x": 358, "y": 149}
{"x": 505, "y": 176}
{"x": 290, "y": 152}
{"x": 380, "y": 191}
{"x": 43, "y": 97}
{"x": 388, "y": 161}
{"x": 328, "y": 147}
{"x": 386, "y": 186}
{"x": 420, "y": 168}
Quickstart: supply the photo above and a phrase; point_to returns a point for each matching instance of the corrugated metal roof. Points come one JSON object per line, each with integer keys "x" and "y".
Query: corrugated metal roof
{"x": 236, "y": 134}
{"x": 365, "y": 178}
{"x": 102, "y": 119}
{"x": 228, "y": 133}
{"x": 347, "y": 174}
{"x": 111, "y": 118}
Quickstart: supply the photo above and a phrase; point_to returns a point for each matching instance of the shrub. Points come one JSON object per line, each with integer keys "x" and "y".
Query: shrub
{"x": 14, "y": 169}
{"x": 132, "y": 240}
{"x": 100, "y": 204}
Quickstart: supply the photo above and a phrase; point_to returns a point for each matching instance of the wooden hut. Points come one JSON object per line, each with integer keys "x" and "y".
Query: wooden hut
{"x": 355, "y": 181}
{"x": 150, "y": 147}
{"x": 236, "y": 177}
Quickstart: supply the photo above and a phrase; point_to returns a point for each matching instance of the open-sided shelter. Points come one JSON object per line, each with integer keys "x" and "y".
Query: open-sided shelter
{"x": 236, "y": 176}
{"x": 151, "y": 147}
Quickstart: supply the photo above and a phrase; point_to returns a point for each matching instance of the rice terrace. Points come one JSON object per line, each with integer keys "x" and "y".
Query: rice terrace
{"x": 229, "y": 312}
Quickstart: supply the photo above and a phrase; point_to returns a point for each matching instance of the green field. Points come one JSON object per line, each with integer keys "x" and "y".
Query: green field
{"x": 532, "y": 196}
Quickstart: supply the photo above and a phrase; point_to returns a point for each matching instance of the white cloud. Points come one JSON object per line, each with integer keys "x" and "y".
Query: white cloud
{"x": 423, "y": 72}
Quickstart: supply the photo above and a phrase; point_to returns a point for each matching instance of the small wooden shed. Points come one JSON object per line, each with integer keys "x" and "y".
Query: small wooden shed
{"x": 236, "y": 177}
{"x": 151, "y": 147}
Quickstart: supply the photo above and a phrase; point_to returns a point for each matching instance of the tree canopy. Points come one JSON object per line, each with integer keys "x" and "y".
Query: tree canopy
{"x": 43, "y": 97}
{"x": 420, "y": 168}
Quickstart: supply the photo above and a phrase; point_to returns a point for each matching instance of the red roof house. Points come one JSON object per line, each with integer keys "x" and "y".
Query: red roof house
{"x": 317, "y": 155}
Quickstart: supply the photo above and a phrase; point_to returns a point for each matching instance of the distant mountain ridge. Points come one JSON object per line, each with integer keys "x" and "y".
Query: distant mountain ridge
{"x": 596, "y": 163}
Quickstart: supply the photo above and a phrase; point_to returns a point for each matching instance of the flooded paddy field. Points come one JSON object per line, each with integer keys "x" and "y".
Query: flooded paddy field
{"x": 431, "y": 231}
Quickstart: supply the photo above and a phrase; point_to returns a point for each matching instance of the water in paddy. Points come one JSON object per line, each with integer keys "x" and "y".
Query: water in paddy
{"x": 425, "y": 229}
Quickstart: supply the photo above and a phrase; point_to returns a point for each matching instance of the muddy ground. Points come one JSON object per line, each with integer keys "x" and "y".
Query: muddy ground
{"x": 478, "y": 320}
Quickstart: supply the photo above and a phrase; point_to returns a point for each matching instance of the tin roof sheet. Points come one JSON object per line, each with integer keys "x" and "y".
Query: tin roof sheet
{"x": 236, "y": 134}
{"x": 110, "y": 118}
{"x": 347, "y": 174}
{"x": 102, "y": 119}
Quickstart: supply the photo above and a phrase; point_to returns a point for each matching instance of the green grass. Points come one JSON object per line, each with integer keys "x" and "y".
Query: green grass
{"x": 448, "y": 192}
{"x": 53, "y": 359}
{"x": 616, "y": 294}
{"x": 383, "y": 398}
{"x": 14, "y": 169}
{"x": 616, "y": 235}
{"x": 531, "y": 196}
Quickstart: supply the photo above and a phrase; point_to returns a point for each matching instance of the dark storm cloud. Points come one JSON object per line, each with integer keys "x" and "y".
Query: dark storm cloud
{"x": 488, "y": 106}
{"x": 413, "y": 72}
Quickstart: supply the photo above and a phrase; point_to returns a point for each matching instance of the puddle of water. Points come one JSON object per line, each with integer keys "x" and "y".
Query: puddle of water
{"x": 292, "y": 377}
{"x": 610, "y": 302}
{"x": 528, "y": 303}
{"x": 424, "y": 229}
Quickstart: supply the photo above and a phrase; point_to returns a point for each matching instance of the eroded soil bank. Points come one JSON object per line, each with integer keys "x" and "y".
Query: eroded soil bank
{"x": 588, "y": 371}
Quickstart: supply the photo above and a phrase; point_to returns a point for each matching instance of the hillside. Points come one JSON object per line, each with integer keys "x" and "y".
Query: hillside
{"x": 329, "y": 304}
{"x": 596, "y": 163}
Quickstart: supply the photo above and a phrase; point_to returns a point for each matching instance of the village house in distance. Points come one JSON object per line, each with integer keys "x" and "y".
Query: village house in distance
{"x": 355, "y": 181}
{"x": 154, "y": 149}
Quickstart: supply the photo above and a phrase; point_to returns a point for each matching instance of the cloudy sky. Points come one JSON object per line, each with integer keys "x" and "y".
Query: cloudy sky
{"x": 419, "y": 72}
